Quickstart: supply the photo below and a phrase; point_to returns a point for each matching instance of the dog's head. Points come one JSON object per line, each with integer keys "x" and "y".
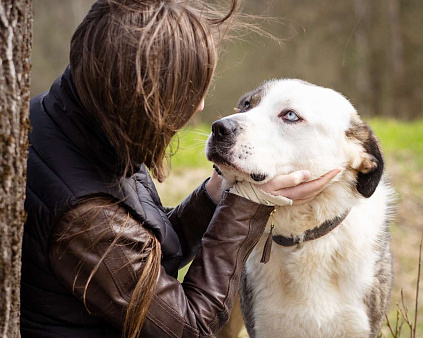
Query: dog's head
{"x": 287, "y": 125}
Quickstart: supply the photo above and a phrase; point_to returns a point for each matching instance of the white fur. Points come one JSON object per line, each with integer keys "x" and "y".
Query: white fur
{"x": 316, "y": 289}
{"x": 280, "y": 148}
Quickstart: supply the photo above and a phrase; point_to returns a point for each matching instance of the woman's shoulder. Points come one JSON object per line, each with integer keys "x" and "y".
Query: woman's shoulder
{"x": 101, "y": 217}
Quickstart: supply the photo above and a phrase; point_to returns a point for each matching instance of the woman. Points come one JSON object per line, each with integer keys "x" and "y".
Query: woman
{"x": 100, "y": 255}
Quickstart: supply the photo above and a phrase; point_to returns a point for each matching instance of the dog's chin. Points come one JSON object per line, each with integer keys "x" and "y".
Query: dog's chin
{"x": 232, "y": 173}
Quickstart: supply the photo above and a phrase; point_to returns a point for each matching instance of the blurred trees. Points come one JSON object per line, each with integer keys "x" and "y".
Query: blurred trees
{"x": 371, "y": 51}
{"x": 54, "y": 24}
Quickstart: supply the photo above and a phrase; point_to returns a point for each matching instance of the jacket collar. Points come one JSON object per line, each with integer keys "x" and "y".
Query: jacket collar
{"x": 64, "y": 107}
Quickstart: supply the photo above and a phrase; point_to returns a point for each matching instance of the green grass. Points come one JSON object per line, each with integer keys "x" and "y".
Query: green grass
{"x": 401, "y": 140}
{"x": 190, "y": 145}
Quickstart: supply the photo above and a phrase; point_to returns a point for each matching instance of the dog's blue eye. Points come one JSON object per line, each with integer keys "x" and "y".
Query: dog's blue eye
{"x": 291, "y": 116}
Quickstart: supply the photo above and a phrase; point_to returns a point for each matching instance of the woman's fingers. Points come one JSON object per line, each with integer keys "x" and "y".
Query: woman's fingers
{"x": 293, "y": 186}
{"x": 308, "y": 190}
{"x": 285, "y": 181}
{"x": 320, "y": 183}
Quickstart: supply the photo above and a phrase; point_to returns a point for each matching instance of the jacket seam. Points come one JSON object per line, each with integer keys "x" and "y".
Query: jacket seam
{"x": 109, "y": 266}
{"x": 43, "y": 240}
{"x": 175, "y": 314}
{"x": 162, "y": 325}
{"x": 51, "y": 169}
{"x": 128, "y": 267}
{"x": 243, "y": 245}
{"x": 117, "y": 282}
{"x": 38, "y": 197}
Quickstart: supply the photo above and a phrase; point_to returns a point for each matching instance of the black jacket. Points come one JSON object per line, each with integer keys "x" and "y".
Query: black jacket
{"x": 69, "y": 160}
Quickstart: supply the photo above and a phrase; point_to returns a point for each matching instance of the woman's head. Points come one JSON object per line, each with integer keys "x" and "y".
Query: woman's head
{"x": 142, "y": 68}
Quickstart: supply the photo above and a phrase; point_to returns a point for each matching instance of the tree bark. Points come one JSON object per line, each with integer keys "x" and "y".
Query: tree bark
{"x": 363, "y": 46}
{"x": 15, "y": 66}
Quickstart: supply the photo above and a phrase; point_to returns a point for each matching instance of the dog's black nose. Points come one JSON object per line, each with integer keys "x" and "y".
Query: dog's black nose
{"x": 223, "y": 129}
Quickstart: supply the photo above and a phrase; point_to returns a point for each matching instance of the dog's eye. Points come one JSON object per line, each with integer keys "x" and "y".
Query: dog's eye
{"x": 247, "y": 105}
{"x": 291, "y": 116}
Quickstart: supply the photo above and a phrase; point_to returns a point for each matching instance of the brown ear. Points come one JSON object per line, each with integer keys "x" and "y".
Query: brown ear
{"x": 372, "y": 165}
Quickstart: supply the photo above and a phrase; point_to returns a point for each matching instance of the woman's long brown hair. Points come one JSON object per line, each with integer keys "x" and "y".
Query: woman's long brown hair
{"x": 141, "y": 68}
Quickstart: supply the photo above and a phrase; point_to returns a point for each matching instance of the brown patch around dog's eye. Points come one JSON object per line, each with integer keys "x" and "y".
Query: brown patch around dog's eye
{"x": 250, "y": 100}
{"x": 245, "y": 104}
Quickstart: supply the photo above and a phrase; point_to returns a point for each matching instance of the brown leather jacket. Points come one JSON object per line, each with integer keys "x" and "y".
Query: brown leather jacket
{"x": 199, "y": 306}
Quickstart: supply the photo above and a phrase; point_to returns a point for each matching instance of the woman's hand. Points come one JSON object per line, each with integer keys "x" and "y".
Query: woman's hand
{"x": 295, "y": 186}
{"x": 214, "y": 187}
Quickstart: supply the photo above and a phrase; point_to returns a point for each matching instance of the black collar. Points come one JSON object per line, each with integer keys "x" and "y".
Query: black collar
{"x": 311, "y": 234}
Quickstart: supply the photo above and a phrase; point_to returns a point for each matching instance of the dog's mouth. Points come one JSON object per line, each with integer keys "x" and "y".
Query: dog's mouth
{"x": 255, "y": 177}
{"x": 224, "y": 162}
{"x": 258, "y": 177}
{"x": 226, "y": 165}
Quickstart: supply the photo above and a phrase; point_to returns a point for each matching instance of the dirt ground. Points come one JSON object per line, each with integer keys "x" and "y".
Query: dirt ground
{"x": 406, "y": 227}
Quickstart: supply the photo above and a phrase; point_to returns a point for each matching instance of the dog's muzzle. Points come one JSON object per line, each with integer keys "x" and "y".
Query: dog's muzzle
{"x": 221, "y": 142}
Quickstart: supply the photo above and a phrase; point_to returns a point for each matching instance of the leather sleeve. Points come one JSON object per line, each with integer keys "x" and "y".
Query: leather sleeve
{"x": 190, "y": 220}
{"x": 77, "y": 249}
{"x": 196, "y": 308}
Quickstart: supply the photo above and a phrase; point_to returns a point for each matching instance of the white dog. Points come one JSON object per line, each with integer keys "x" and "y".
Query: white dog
{"x": 329, "y": 273}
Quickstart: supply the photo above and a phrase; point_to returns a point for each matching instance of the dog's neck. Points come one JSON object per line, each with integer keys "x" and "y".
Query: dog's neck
{"x": 296, "y": 220}
{"x": 311, "y": 234}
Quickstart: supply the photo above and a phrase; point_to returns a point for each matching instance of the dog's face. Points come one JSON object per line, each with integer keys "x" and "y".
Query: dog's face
{"x": 288, "y": 125}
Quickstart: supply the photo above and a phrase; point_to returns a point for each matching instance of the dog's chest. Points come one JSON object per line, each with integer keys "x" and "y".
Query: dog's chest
{"x": 315, "y": 290}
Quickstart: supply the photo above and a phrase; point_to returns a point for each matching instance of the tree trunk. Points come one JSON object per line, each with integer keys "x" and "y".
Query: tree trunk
{"x": 15, "y": 66}
{"x": 363, "y": 46}
{"x": 397, "y": 59}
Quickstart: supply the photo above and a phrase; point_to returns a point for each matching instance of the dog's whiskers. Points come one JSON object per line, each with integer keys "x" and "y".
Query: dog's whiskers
{"x": 200, "y": 132}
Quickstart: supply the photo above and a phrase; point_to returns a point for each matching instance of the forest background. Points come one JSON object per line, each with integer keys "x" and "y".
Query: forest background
{"x": 371, "y": 51}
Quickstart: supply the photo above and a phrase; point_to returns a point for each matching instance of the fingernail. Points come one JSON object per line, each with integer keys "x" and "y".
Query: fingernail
{"x": 306, "y": 175}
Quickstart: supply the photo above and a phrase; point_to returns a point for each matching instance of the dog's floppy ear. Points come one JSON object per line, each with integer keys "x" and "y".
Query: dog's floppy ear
{"x": 370, "y": 169}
